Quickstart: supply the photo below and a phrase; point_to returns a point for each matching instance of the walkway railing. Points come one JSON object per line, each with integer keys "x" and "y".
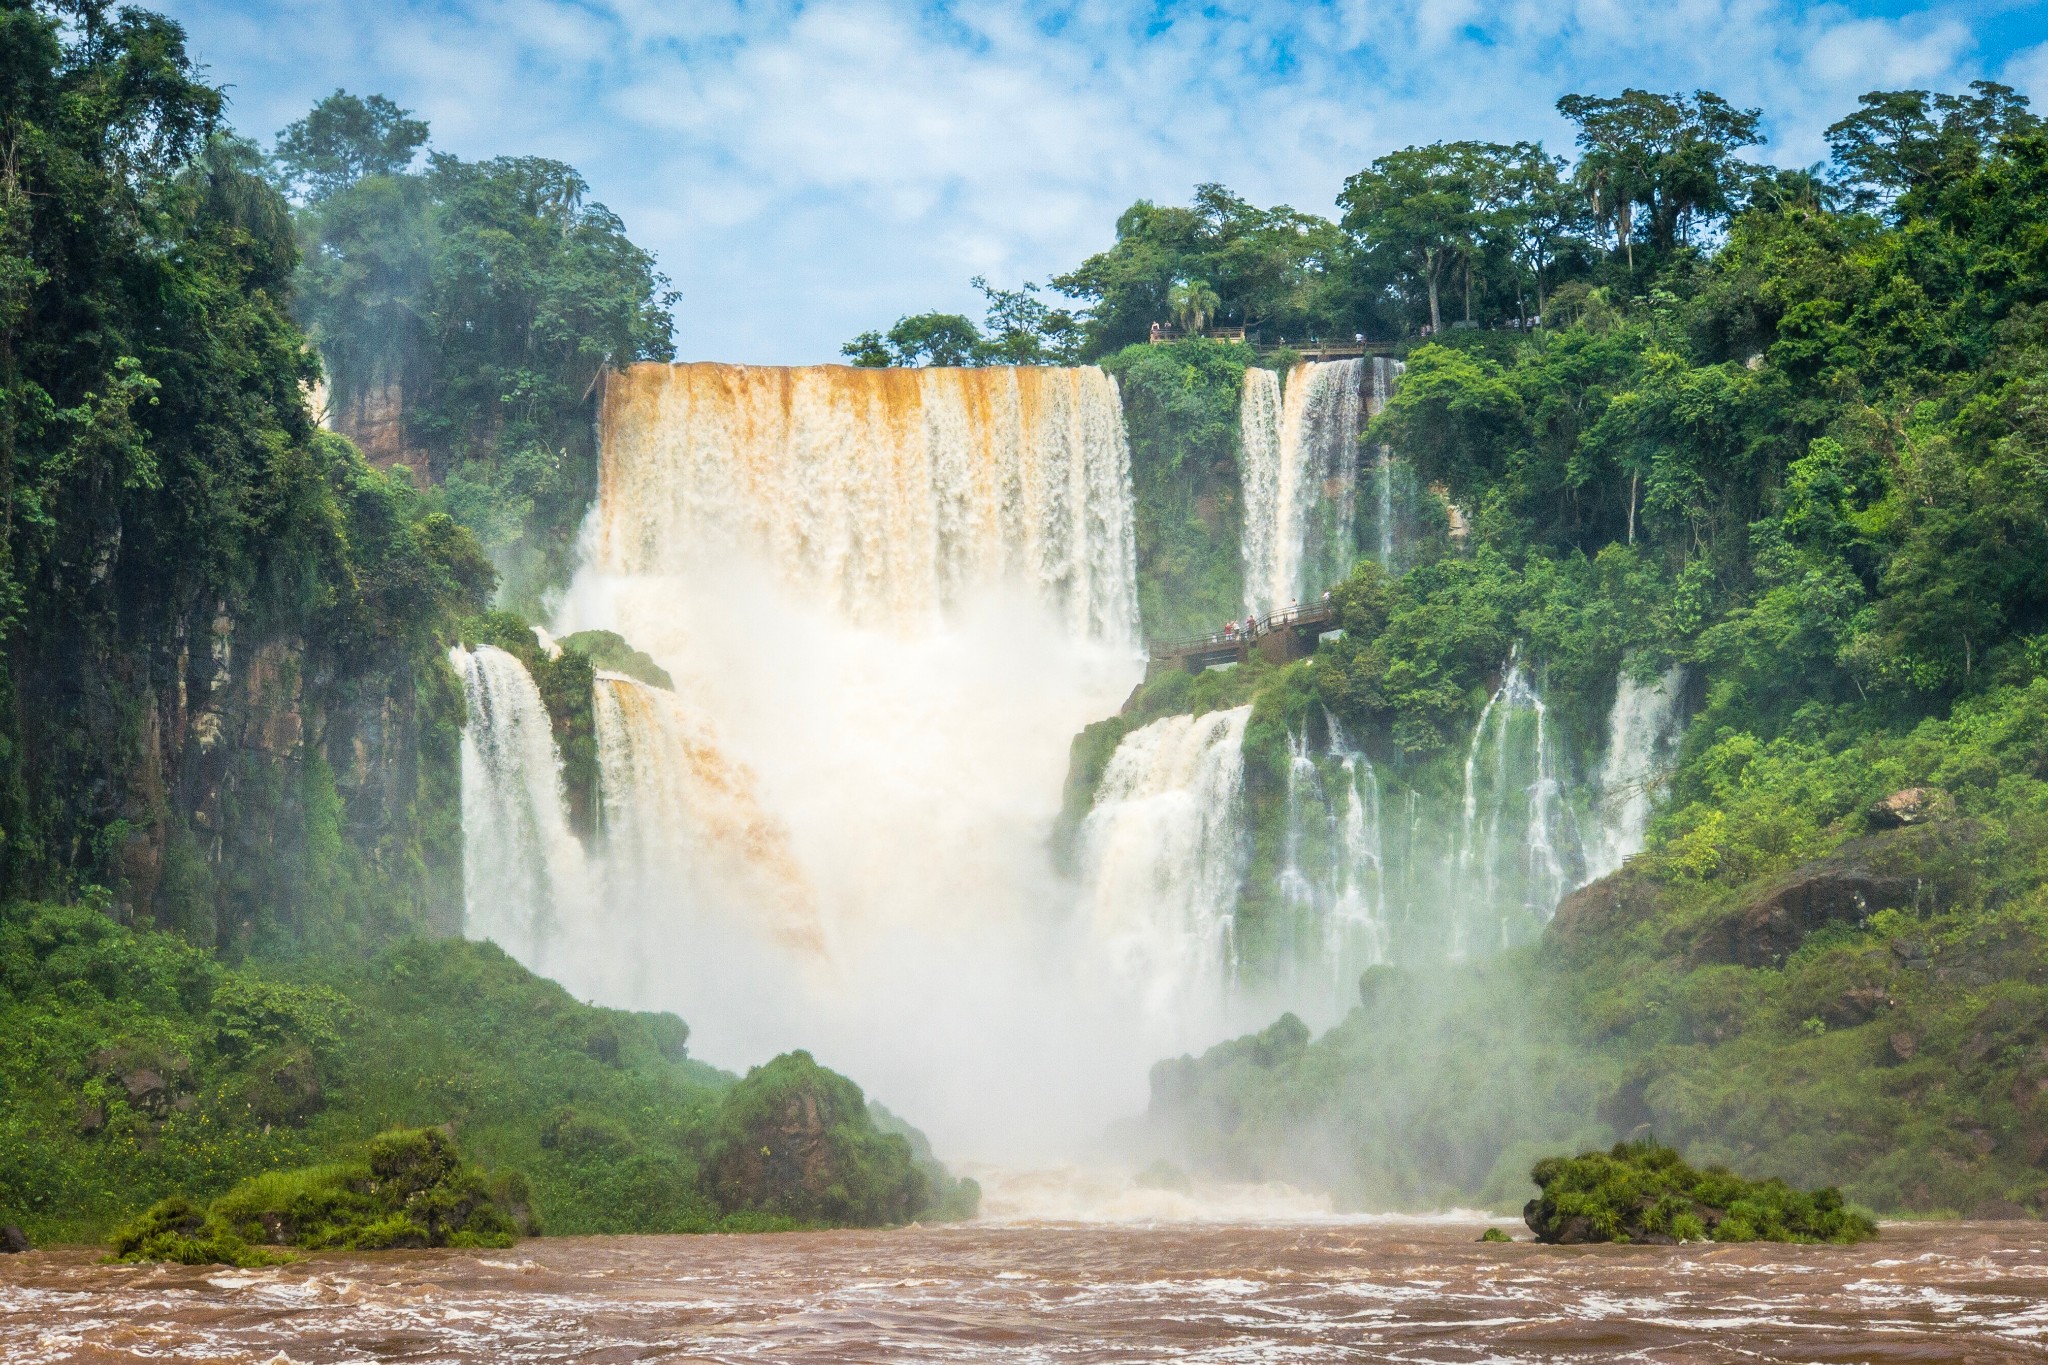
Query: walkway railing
{"x": 1294, "y": 618}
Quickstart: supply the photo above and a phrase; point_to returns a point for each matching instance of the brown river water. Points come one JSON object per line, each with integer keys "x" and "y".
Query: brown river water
{"x": 1313, "y": 1290}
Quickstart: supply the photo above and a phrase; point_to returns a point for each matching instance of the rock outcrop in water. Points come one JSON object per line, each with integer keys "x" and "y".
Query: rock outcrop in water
{"x": 796, "y": 1141}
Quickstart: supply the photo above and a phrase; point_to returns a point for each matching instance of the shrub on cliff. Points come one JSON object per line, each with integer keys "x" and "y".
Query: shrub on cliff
{"x": 1644, "y": 1192}
{"x": 796, "y": 1141}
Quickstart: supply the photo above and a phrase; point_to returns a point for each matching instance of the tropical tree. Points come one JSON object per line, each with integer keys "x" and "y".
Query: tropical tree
{"x": 344, "y": 140}
{"x": 1416, "y": 214}
{"x": 1901, "y": 140}
{"x": 1669, "y": 156}
{"x": 1192, "y": 303}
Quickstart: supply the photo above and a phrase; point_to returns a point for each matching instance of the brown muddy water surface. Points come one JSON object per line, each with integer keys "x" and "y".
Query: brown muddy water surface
{"x": 1408, "y": 1291}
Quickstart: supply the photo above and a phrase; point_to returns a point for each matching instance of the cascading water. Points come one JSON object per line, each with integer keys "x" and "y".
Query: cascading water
{"x": 1332, "y": 884}
{"x": 1384, "y": 374}
{"x": 1643, "y": 731}
{"x": 1518, "y": 843}
{"x": 1162, "y": 855}
{"x": 1299, "y": 466}
{"x": 1258, "y": 465}
{"x": 527, "y": 883}
{"x": 677, "y": 811}
{"x": 887, "y": 599}
{"x": 887, "y": 495}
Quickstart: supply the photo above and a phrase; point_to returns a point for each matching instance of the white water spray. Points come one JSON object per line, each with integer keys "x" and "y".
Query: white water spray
{"x": 527, "y": 884}
{"x": 888, "y": 599}
{"x": 1643, "y": 731}
{"x": 1163, "y": 857}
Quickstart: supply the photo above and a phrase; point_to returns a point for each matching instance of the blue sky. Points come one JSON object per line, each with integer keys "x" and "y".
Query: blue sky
{"x": 808, "y": 170}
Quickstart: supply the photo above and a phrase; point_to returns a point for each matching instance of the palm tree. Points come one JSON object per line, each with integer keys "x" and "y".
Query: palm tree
{"x": 1192, "y": 303}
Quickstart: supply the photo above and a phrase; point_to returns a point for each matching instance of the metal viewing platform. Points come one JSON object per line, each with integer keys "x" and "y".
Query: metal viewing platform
{"x": 1280, "y": 637}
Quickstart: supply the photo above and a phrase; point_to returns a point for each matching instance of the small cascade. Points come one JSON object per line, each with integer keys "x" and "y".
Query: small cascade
{"x": 1332, "y": 879}
{"x": 1258, "y": 423}
{"x": 684, "y": 829}
{"x": 527, "y": 883}
{"x": 1163, "y": 856}
{"x": 1356, "y": 932}
{"x": 1518, "y": 842}
{"x": 1384, "y": 373}
{"x": 1643, "y": 731}
{"x": 1300, "y": 480}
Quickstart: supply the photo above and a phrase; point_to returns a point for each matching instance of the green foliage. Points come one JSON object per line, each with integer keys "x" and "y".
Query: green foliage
{"x": 174, "y": 1229}
{"x": 410, "y": 1188}
{"x": 795, "y": 1140}
{"x": 1642, "y": 1191}
{"x": 344, "y": 140}
{"x": 1018, "y": 329}
{"x": 1181, "y": 411}
{"x": 612, "y": 653}
{"x": 464, "y": 314}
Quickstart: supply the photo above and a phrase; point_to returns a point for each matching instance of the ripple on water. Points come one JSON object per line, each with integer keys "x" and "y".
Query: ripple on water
{"x": 1204, "y": 1292}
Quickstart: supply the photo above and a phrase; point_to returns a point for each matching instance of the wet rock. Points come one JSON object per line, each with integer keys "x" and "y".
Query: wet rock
{"x": 1912, "y": 806}
{"x": 155, "y": 1082}
{"x": 1902, "y": 868}
{"x": 1904, "y": 1046}
{"x": 1998, "y": 1211}
{"x": 1601, "y": 909}
{"x": 13, "y": 1241}
{"x": 1857, "y": 1005}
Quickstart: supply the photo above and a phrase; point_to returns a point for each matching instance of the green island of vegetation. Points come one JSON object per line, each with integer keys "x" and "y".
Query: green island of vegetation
{"x": 1643, "y": 1192}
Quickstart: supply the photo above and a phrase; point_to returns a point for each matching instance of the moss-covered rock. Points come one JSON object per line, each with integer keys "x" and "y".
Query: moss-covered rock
{"x": 1645, "y": 1192}
{"x": 177, "y": 1230}
{"x": 411, "y": 1188}
{"x": 795, "y": 1140}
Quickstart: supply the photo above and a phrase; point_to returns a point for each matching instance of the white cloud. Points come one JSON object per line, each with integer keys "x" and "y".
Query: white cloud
{"x": 808, "y": 170}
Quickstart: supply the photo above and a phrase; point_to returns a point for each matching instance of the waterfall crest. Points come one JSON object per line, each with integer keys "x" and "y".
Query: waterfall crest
{"x": 1643, "y": 731}
{"x": 890, "y": 494}
{"x": 527, "y": 884}
{"x": 1162, "y": 856}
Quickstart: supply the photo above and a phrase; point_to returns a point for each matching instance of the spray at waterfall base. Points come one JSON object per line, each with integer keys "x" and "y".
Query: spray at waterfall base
{"x": 887, "y": 600}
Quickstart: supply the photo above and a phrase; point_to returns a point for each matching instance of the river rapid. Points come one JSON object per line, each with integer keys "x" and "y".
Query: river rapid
{"x": 1317, "y": 1289}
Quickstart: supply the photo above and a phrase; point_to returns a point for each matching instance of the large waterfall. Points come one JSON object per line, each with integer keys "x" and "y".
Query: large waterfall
{"x": 887, "y": 600}
{"x": 1300, "y": 469}
{"x": 1163, "y": 855}
{"x": 527, "y": 882}
{"x": 888, "y": 495}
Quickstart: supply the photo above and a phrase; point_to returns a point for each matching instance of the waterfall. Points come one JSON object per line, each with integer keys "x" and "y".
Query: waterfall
{"x": 1299, "y": 470}
{"x": 1518, "y": 842}
{"x": 527, "y": 886}
{"x": 1162, "y": 853}
{"x": 1384, "y": 374}
{"x": 1258, "y": 464}
{"x": 1333, "y": 867}
{"x": 1642, "y": 742}
{"x": 1300, "y": 480}
{"x": 1356, "y": 933}
{"x": 887, "y": 600}
{"x": 677, "y": 812}
{"x": 893, "y": 495}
